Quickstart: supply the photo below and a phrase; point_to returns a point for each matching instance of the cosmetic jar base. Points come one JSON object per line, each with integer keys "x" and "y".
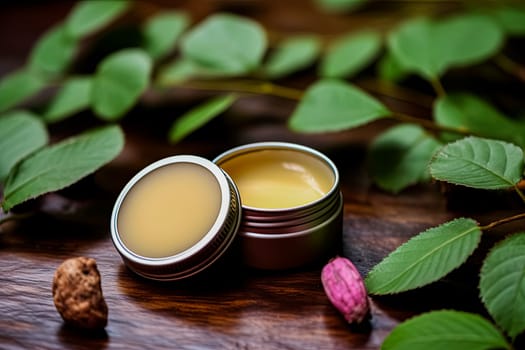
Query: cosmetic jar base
{"x": 289, "y": 237}
{"x": 291, "y": 250}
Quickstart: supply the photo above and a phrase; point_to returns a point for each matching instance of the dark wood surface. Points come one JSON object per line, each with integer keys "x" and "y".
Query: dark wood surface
{"x": 236, "y": 308}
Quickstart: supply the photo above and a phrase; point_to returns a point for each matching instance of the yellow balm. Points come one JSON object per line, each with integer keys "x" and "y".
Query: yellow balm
{"x": 279, "y": 179}
{"x": 169, "y": 210}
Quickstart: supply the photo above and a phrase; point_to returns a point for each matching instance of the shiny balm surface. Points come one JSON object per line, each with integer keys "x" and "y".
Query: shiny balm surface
{"x": 169, "y": 210}
{"x": 278, "y": 178}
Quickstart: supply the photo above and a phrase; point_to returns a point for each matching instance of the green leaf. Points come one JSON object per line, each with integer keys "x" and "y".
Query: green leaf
{"x": 332, "y": 105}
{"x": 502, "y": 284}
{"x": 511, "y": 18}
{"x": 425, "y": 258}
{"x": 430, "y": 47}
{"x": 292, "y": 55}
{"x": 162, "y": 31}
{"x": 413, "y": 46}
{"x": 475, "y": 116}
{"x": 339, "y": 5}
{"x": 21, "y": 133}
{"x": 176, "y": 72}
{"x": 226, "y": 42}
{"x": 350, "y": 54}
{"x": 89, "y": 16}
{"x": 479, "y": 163}
{"x": 73, "y": 97}
{"x": 445, "y": 329}
{"x": 53, "y": 52}
{"x": 62, "y": 164}
{"x": 390, "y": 69}
{"x": 120, "y": 80}
{"x": 399, "y": 157}
{"x": 18, "y": 86}
{"x": 199, "y": 116}
{"x": 181, "y": 70}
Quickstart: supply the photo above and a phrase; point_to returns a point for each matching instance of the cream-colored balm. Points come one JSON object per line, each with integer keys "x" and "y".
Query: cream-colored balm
{"x": 169, "y": 210}
{"x": 279, "y": 179}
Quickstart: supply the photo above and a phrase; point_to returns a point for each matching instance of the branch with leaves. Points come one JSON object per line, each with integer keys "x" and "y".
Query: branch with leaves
{"x": 431, "y": 255}
{"x": 229, "y": 55}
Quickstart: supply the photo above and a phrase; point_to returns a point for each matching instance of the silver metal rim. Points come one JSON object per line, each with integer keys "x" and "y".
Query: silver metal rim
{"x": 208, "y": 237}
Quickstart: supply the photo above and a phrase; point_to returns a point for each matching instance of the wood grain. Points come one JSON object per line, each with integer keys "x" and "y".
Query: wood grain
{"x": 234, "y": 307}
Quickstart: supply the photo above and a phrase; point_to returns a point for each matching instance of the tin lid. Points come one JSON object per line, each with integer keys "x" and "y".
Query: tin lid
{"x": 210, "y": 246}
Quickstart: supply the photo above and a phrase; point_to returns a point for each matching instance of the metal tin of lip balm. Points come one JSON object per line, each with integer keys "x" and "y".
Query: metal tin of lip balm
{"x": 289, "y": 235}
{"x": 171, "y": 195}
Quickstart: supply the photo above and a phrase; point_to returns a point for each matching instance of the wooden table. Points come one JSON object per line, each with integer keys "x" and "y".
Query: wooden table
{"x": 239, "y": 308}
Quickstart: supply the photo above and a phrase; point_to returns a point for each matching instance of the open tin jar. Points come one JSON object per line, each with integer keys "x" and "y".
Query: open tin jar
{"x": 177, "y": 216}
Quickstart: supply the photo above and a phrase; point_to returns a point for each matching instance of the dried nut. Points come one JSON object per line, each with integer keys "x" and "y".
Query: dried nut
{"x": 77, "y": 294}
{"x": 346, "y": 290}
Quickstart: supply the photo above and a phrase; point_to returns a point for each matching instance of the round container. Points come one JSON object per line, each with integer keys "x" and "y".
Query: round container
{"x": 186, "y": 194}
{"x": 286, "y": 233}
{"x": 179, "y": 215}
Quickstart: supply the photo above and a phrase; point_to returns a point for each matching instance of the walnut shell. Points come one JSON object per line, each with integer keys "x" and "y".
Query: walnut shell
{"x": 77, "y": 294}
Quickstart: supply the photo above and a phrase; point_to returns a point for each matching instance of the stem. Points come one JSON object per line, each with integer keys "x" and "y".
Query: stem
{"x": 11, "y": 217}
{"x": 438, "y": 87}
{"x": 502, "y": 221}
{"x": 397, "y": 92}
{"x": 247, "y": 86}
{"x": 268, "y": 88}
{"x": 427, "y": 124}
{"x": 520, "y": 193}
{"x": 509, "y": 66}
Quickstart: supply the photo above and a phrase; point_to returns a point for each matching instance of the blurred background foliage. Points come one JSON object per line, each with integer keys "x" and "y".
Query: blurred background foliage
{"x": 426, "y": 72}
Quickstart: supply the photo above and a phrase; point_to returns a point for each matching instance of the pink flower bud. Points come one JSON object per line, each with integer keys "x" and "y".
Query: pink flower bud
{"x": 345, "y": 288}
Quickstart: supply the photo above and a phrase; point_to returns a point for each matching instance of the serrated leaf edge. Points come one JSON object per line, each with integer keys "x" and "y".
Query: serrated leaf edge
{"x": 511, "y": 185}
{"x": 483, "y": 272}
{"x": 455, "y": 313}
{"x": 64, "y": 143}
{"x": 426, "y": 255}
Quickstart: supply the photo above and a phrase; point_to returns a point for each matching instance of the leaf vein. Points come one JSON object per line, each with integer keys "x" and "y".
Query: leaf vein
{"x": 425, "y": 256}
